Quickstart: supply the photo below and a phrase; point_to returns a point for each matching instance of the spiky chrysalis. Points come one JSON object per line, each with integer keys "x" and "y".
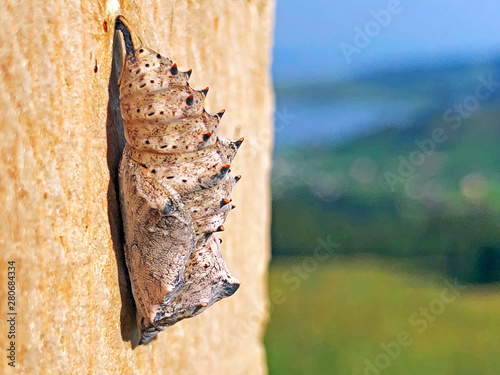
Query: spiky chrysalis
{"x": 175, "y": 189}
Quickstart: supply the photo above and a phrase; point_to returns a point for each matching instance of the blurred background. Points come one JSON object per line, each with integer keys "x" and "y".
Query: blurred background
{"x": 386, "y": 188}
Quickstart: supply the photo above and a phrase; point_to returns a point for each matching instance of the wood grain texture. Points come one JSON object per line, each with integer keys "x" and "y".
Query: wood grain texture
{"x": 60, "y": 146}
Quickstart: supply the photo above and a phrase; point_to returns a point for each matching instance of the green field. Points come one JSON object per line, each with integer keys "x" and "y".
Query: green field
{"x": 335, "y": 317}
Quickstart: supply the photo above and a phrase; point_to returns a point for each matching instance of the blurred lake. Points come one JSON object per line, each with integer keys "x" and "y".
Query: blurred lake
{"x": 331, "y": 113}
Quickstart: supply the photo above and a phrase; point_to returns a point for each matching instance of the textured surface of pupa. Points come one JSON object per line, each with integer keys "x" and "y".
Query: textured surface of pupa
{"x": 175, "y": 190}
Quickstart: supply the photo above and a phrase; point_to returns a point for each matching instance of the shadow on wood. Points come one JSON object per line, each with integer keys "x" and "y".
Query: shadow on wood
{"x": 115, "y": 145}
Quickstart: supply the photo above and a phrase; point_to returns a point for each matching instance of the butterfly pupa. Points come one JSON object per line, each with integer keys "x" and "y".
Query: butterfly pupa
{"x": 175, "y": 189}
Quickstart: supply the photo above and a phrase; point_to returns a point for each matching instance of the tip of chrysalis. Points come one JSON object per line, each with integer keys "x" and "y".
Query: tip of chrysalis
{"x": 146, "y": 335}
{"x": 132, "y": 40}
{"x": 231, "y": 287}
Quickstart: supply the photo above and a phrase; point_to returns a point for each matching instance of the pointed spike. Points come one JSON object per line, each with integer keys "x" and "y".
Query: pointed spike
{"x": 189, "y": 72}
{"x": 221, "y": 113}
{"x": 233, "y": 207}
{"x": 239, "y": 142}
{"x": 203, "y": 304}
{"x": 205, "y": 91}
{"x": 224, "y": 202}
{"x": 190, "y": 100}
{"x": 225, "y": 169}
{"x": 220, "y": 229}
{"x": 206, "y": 136}
{"x": 174, "y": 70}
{"x": 237, "y": 178}
{"x": 220, "y": 241}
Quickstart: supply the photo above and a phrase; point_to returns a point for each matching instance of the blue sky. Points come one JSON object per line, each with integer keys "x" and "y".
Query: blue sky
{"x": 308, "y": 35}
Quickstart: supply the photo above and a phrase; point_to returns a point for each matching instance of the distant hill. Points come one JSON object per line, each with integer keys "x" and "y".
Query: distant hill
{"x": 430, "y": 187}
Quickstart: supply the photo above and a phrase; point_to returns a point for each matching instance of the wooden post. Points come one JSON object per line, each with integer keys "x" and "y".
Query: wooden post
{"x": 60, "y": 146}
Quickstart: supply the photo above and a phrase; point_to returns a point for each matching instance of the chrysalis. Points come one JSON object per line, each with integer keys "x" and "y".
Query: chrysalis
{"x": 175, "y": 190}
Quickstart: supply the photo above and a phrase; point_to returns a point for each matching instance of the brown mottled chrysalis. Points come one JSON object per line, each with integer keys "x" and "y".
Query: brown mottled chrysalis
{"x": 175, "y": 190}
